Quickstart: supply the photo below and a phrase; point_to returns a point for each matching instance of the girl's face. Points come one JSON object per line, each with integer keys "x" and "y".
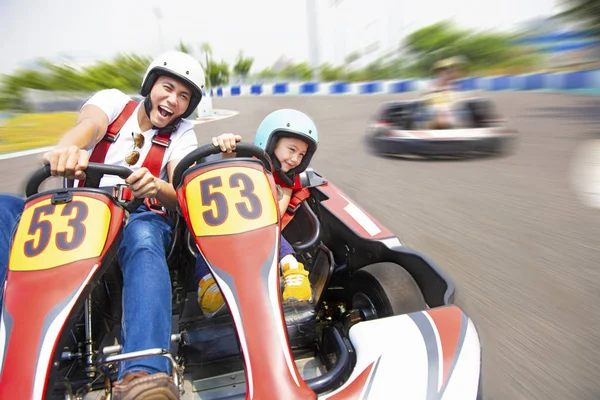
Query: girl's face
{"x": 289, "y": 152}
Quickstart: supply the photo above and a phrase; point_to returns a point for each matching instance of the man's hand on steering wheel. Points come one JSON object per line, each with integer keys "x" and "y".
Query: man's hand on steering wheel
{"x": 69, "y": 162}
{"x": 143, "y": 184}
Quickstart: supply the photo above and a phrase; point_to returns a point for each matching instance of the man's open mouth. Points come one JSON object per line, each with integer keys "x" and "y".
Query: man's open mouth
{"x": 164, "y": 112}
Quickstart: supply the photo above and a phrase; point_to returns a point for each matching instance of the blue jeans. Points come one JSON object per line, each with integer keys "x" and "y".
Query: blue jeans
{"x": 202, "y": 270}
{"x": 146, "y": 321}
{"x": 11, "y": 208}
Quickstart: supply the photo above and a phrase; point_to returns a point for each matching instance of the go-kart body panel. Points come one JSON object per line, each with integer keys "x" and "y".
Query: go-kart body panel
{"x": 56, "y": 251}
{"x": 233, "y": 215}
{"x": 422, "y": 355}
{"x": 352, "y": 215}
{"x": 357, "y": 239}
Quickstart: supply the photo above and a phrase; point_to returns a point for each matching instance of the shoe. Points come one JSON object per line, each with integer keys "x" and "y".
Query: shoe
{"x": 210, "y": 298}
{"x": 297, "y": 285}
{"x": 143, "y": 386}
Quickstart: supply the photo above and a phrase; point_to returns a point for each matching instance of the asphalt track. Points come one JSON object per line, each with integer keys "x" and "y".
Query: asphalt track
{"x": 521, "y": 246}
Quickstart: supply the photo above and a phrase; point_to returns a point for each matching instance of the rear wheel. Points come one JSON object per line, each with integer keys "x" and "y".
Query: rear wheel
{"x": 481, "y": 110}
{"x": 384, "y": 289}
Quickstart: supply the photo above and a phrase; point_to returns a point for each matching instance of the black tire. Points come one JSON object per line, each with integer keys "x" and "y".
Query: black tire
{"x": 481, "y": 109}
{"x": 384, "y": 289}
{"x": 505, "y": 146}
{"x": 402, "y": 114}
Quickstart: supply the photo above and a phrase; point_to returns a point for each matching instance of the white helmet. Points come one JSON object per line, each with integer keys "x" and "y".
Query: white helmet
{"x": 181, "y": 66}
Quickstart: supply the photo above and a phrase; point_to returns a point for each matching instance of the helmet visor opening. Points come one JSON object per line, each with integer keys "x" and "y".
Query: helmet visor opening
{"x": 288, "y": 133}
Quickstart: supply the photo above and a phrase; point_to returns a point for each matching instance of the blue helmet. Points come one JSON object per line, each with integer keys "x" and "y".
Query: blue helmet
{"x": 287, "y": 123}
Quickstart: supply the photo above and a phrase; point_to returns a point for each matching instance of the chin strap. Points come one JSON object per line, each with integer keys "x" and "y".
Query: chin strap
{"x": 287, "y": 177}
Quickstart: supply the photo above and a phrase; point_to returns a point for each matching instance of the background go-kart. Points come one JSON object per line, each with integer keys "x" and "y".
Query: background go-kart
{"x": 511, "y": 231}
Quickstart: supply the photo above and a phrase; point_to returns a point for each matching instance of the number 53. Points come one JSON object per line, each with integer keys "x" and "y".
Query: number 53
{"x": 237, "y": 180}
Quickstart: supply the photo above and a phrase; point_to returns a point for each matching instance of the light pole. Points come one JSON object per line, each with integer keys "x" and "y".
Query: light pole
{"x": 340, "y": 41}
{"x": 313, "y": 31}
{"x": 158, "y": 15}
{"x": 313, "y": 34}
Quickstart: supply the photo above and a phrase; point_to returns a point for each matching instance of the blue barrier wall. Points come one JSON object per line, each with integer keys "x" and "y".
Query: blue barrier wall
{"x": 577, "y": 80}
{"x": 401, "y": 87}
{"x": 534, "y": 82}
{"x": 339, "y": 88}
{"x": 501, "y": 83}
{"x": 370, "y": 88}
{"x": 309, "y": 88}
{"x": 256, "y": 89}
{"x": 587, "y": 81}
{"x": 280, "y": 88}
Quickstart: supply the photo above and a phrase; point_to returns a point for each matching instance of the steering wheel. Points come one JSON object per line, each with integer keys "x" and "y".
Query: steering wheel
{"x": 241, "y": 150}
{"x": 44, "y": 173}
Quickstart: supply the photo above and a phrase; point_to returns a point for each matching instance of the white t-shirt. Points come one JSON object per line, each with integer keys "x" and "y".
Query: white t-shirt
{"x": 112, "y": 102}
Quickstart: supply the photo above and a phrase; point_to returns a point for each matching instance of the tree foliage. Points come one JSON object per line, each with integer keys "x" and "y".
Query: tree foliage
{"x": 586, "y": 11}
{"x": 218, "y": 73}
{"x": 125, "y": 73}
{"x": 243, "y": 65}
{"x": 486, "y": 52}
{"x": 483, "y": 51}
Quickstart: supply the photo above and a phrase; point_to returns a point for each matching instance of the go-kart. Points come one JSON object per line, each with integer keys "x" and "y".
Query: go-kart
{"x": 405, "y": 128}
{"x": 381, "y": 318}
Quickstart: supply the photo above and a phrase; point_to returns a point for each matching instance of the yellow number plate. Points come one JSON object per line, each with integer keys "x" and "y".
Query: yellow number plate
{"x": 229, "y": 201}
{"x": 50, "y": 235}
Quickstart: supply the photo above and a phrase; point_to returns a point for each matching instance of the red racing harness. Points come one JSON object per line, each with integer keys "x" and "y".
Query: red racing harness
{"x": 153, "y": 160}
{"x": 295, "y": 201}
{"x": 299, "y": 194}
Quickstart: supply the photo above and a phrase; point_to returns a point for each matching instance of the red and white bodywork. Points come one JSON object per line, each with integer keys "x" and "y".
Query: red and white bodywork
{"x": 424, "y": 355}
{"x": 433, "y": 354}
{"x": 57, "y": 250}
{"x": 67, "y": 239}
{"x": 450, "y": 134}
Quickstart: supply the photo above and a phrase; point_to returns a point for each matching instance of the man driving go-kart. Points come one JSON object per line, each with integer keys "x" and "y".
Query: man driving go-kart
{"x": 150, "y": 138}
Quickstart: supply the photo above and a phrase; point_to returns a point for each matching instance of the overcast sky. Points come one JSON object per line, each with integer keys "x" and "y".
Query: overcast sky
{"x": 265, "y": 29}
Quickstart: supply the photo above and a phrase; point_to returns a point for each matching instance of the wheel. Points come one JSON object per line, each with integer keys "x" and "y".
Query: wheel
{"x": 481, "y": 110}
{"x": 384, "y": 289}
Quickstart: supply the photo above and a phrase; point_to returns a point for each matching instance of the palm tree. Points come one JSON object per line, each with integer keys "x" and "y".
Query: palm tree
{"x": 207, "y": 50}
{"x": 182, "y": 47}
